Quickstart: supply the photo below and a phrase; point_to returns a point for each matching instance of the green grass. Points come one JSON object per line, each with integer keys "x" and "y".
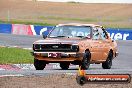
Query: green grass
{"x": 110, "y": 22}
{"x": 68, "y": 19}
{"x": 15, "y": 56}
{"x": 82, "y": 19}
{"x": 27, "y": 22}
{"x": 73, "y": 2}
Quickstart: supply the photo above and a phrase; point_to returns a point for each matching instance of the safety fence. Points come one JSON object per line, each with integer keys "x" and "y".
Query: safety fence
{"x": 21, "y": 29}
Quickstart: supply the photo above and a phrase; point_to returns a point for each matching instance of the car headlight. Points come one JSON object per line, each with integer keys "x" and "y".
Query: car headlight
{"x": 36, "y": 46}
{"x": 75, "y": 48}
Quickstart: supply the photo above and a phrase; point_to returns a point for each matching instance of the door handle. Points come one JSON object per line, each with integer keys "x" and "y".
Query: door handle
{"x": 99, "y": 42}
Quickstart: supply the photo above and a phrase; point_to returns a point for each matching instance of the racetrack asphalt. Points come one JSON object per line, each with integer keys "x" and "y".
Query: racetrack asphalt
{"x": 121, "y": 65}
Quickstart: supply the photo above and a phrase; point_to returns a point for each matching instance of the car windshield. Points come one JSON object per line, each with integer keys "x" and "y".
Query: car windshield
{"x": 71, "y": 31}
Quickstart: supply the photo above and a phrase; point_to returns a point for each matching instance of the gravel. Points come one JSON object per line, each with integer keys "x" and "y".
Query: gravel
{"x": 53, "y": 81}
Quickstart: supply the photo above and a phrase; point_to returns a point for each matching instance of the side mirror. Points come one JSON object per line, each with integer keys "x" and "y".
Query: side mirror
{"x": 44, "y": 36}
{"x": 113, "y": 40}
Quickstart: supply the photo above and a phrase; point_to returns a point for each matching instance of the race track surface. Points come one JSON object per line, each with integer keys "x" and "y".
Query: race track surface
{"x": 121, "y": 64}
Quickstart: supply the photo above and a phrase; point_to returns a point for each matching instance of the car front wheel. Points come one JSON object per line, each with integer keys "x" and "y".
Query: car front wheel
{"x": 86, "y": 61}
{"x": 64, "y": 66}
{"x": 39, "y": 65}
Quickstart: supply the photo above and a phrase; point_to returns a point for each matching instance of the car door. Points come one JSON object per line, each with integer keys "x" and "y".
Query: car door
{"x": 105, "y": 43}
{"x": 96, "y": 45}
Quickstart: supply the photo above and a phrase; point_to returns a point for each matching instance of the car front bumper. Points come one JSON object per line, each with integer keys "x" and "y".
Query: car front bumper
{"x": 116, "y": 54}
{"x": 57, "y": 56}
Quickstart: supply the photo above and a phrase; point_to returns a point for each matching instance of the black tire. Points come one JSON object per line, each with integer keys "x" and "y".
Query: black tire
{"x": 86, "y": 61}
{"x": 39, "y": 65}
{"x": 64, "y": 66}
{"x": 108, "y": 63}
{"x": 81, "y": 80}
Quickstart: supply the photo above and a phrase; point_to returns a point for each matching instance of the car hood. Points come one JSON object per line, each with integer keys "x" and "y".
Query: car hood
{"x": 59, "y": 41}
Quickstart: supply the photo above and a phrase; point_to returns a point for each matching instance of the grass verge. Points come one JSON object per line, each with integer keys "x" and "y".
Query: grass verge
{"x": 27, "y": 22}
{"x": 15, "y": 56}
{"x": 98, "y": 19}
{"x": 52, "y": 21}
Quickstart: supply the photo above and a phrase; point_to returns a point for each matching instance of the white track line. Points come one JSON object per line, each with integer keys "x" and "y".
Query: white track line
{"x": 17, "y": 75}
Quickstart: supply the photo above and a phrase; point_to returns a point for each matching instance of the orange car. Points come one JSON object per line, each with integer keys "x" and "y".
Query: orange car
{"x": 74, "y": 43}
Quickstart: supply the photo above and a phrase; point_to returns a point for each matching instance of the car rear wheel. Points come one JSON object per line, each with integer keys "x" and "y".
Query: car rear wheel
{"x": 39, "y": 65}
{"x": 108, "y": 63}
{"x": 86, "y": 61}
{"x": 64, "y": 66}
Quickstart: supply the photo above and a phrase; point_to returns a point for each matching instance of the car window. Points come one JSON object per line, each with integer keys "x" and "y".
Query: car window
{"x": 98, "y": 33}
{"x": 102, "y": 34}
{"x": 71, "y": 31}
{"x": 105, "y": 33}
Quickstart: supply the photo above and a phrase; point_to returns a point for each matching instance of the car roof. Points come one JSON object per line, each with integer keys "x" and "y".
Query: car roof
{"x": 78, "y": 24}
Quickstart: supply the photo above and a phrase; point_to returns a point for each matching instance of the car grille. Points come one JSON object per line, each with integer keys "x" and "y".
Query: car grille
{"x": 54, "y": 47}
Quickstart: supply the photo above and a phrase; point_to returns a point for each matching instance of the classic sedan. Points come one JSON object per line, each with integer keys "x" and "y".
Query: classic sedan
{"x": 75, "y": 43}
